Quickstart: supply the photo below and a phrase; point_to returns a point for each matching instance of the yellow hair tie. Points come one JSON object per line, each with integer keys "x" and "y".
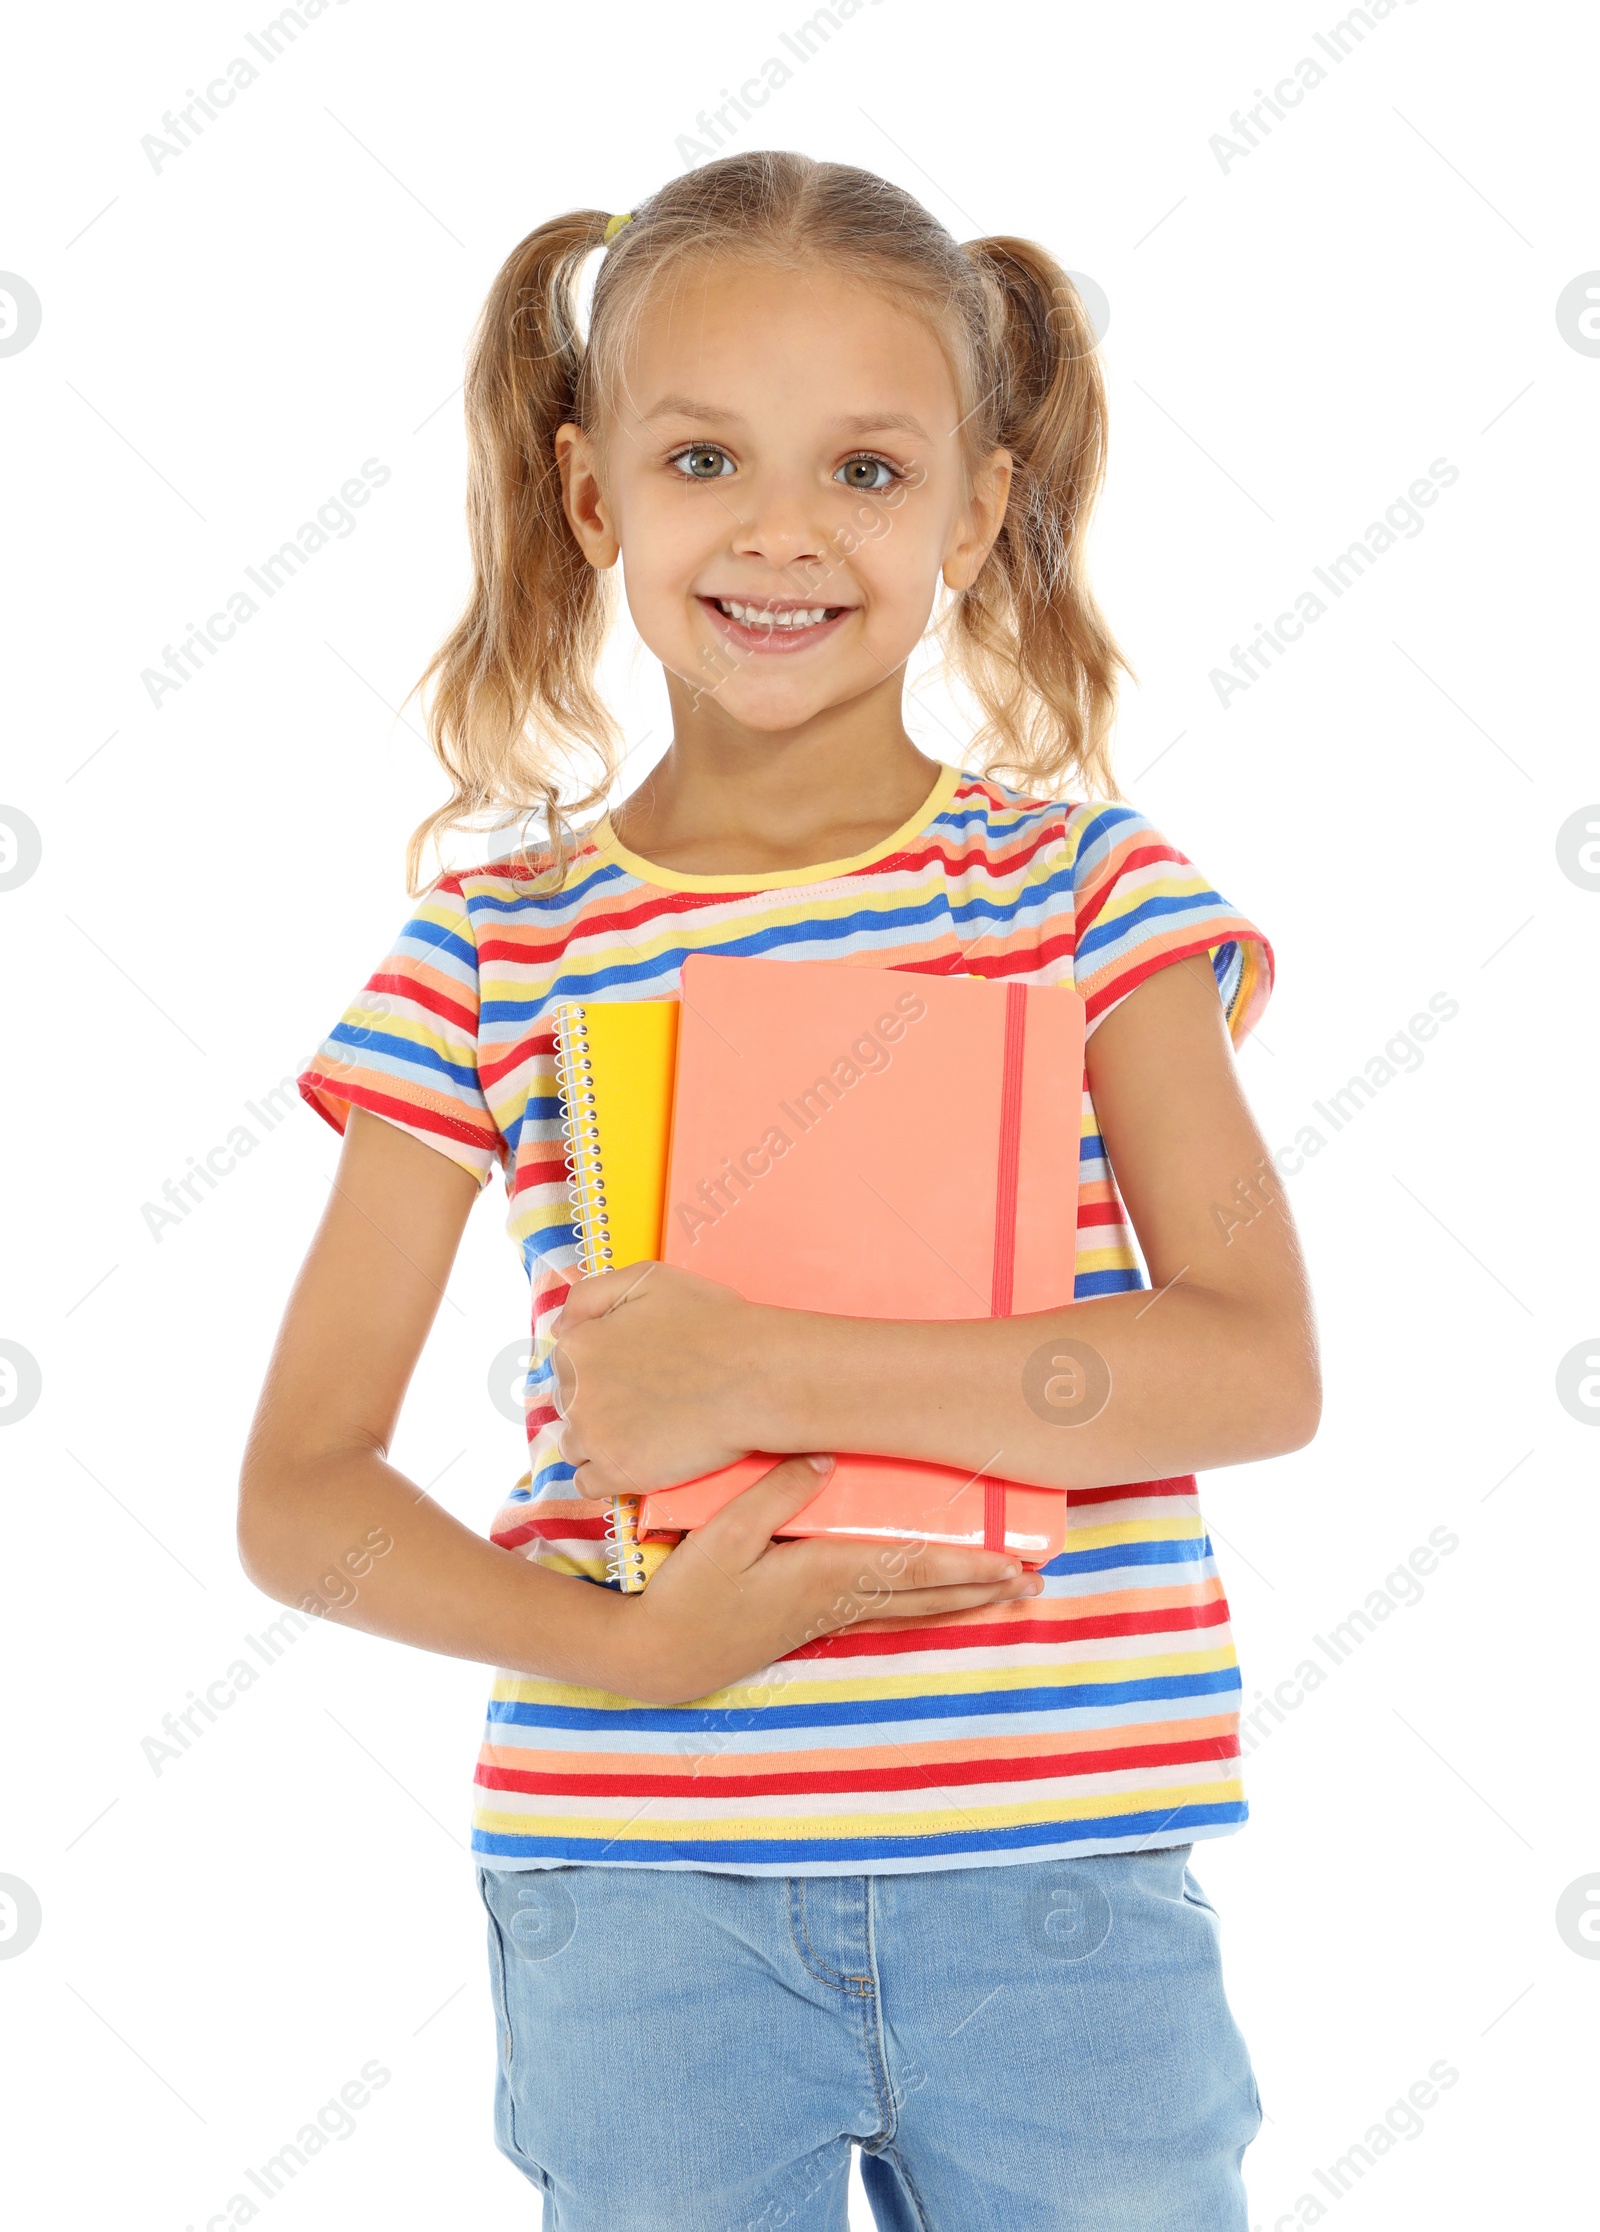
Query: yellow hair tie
{"x": 615, "y": 224}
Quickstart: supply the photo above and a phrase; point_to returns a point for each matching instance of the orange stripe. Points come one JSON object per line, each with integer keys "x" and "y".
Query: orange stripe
{"x": 1079, "y": 1743}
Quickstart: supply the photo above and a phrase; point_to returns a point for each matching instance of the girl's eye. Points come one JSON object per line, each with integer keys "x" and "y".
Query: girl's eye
{"x": 708, "y": 461}
{"x": 704, "y": 462}
{"x": 855, "y": 469}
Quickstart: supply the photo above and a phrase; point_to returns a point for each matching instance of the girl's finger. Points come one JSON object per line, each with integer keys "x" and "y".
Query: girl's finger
{"x": 943, "y": 1565}
{"x": 598, "y": 1296}
{"x": 745, "y": 1525}
{"x": 601, "y": 1474}
{"x": 911, "y": 1604}
{"x": 635, "y": 1275}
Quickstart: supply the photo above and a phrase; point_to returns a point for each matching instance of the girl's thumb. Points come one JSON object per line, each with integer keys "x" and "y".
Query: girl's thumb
{"x": 797, "y": 1474}
{"x": 796, "y": 1478}
{"x": 759, "y": 1510}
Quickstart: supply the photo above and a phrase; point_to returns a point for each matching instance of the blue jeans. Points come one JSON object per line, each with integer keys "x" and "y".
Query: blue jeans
{"x": 1040, "y": 2047}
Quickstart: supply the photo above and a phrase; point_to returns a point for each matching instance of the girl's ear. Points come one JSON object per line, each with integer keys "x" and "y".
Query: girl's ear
{"x": 980, "y": 523}
{"x": 583, "y": 497}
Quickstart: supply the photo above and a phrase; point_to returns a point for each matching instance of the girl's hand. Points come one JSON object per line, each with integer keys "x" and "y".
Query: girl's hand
{"x": 730, "y": 1600}
{"x": 658, "y": 1375}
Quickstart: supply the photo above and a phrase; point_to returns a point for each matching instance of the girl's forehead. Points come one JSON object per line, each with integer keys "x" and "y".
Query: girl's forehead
{"x": 747, "y": 323}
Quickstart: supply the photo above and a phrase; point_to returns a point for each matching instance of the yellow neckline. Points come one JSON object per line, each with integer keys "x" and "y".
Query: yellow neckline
{"x": 609, "y": 846}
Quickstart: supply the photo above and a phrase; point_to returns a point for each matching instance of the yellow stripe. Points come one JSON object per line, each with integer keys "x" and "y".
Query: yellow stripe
{"x": 1183, "y": 1526}
{"x": 790, "y": 1828}
{"x": 1119, "y": 1258}
{"x": 443, "y": 1040}
{"x": 966, "y": 1682}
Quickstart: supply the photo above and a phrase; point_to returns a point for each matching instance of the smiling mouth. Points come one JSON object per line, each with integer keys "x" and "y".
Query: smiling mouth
{"x": 773, "y": 616}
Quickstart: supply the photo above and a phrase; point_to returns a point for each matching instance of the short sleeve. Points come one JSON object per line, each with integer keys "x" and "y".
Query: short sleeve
{"x": 406, "y": 1048}
{"x": 1140, "y": 904}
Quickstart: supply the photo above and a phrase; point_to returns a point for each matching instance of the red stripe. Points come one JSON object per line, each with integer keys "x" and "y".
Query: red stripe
{"x": 1002, "y": 1283}
{"x": 414, "y": 1113}
{"x": 616, "y": 924}
{"x": 1114, "y": 867}
{"x": 1003, "y": 1274}
{"x": 1159, "y": 1620}
{"x": 551, "y": 1530}
{"x": 1229, "y": 931}
{"x": 1184, "y": 1485}
{"x": 1029, "y": 962}
{"x": 941, "y": 1775}
{"x": 966, "y": 856}
{"x": 426, "y": 996}
{"x": 552, "y": 1172}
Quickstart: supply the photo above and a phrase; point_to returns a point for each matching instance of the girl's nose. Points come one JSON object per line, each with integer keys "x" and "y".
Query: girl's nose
{"x": 780, "y": 521}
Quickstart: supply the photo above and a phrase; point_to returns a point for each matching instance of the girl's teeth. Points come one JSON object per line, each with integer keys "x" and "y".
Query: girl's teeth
{"x": 753, "y": 616}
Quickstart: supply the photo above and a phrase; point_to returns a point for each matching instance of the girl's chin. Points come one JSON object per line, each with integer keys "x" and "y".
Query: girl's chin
{"x": 775, "y": 712}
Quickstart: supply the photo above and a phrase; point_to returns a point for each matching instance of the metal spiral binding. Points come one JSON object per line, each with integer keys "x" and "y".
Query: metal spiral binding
{"x": 586, "y": 1185}
{"x": 624, "y": 1554}
{"x": 586, "y": 1194}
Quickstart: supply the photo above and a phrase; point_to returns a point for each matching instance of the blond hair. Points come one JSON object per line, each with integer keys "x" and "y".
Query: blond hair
{"x": 516, "y": 718}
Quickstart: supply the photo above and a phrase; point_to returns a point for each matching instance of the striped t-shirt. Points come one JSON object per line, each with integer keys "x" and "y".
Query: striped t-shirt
{"x": 1101, "y": 1716}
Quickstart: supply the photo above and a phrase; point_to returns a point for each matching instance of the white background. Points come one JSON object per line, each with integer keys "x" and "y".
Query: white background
{"x": 1292, "y": 340}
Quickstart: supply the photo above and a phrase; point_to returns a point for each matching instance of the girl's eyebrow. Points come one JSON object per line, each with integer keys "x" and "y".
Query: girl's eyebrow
{"x": 860, "y": 422}
{"x": 882, "y": 422}
{"x": 685, "y": 406}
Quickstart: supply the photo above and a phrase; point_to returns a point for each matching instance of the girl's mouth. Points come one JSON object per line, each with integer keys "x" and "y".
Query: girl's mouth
{"x": 772, "y": 624}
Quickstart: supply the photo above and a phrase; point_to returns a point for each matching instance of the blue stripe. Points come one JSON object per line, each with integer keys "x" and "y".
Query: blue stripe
{"x": 1027, "y": 897}
{"x": 1192, "y": 1550}
{"x": 1113, "y": 824}
{"x": 859, "y": 1709}
{"x": 1132, "y": 929}
{"x": 419, "y": 932}
{"x": 1177, "y": 1820}
{"x": 1227, "y": 966}
{"x": 551, "y": 1240}
{"x": 1188, "y": 1550}
{"x": 1086, "y": 1284}
{"x": 572, "y": 898}
{"x": 406, "y": 1054}
{"x": 868, "y": 925}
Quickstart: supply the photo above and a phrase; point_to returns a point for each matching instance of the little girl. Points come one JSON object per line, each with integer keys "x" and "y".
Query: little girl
{"x": 917, "y": 1884}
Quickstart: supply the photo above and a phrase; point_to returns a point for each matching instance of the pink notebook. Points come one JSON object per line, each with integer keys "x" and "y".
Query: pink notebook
{"x": 873, "y": 1143}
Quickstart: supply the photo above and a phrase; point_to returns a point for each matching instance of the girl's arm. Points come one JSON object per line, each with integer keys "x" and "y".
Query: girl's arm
{"x": 1214, "y": 1364}
{"x": 326, "y": 1523}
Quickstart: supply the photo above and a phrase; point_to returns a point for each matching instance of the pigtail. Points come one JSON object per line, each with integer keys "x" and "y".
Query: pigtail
{"x": 523, "y": 655}
{"x": 1027, "y": 638}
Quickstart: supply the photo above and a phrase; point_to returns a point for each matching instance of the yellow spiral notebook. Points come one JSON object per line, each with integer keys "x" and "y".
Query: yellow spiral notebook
{"x": 615, "y": 1061}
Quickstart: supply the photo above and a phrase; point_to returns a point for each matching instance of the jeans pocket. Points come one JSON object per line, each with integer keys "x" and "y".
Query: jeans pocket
{"x": 1194, "y": 1896}
{"x": 497, "y": 1973}
{"x": 513, "y": 2071}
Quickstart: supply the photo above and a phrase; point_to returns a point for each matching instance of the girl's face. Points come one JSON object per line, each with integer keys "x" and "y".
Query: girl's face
{"x": 783, "y": 478}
